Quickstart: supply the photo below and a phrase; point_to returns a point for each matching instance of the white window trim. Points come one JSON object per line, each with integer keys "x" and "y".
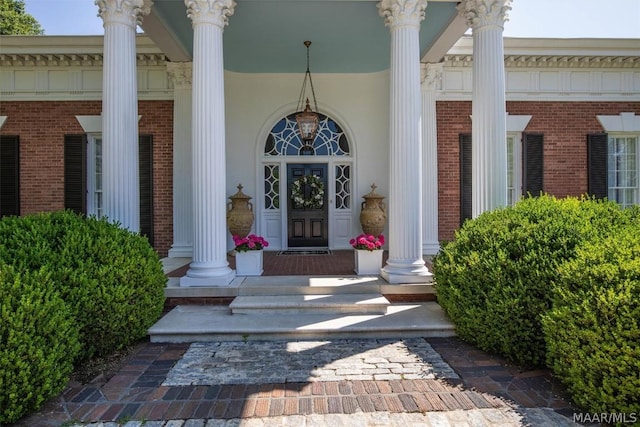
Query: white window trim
{"x": 625, "y": 124}
{"x": 515, "y": 128}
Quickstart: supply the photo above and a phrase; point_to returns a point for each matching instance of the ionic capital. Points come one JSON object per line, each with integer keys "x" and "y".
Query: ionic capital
{"x": 126, "y": 12}
{"x": 216, "y": 12}
{"x": 402, "y": 13}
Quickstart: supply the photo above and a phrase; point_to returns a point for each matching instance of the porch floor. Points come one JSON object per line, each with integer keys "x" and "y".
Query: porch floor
{"x": 339, "y": 262}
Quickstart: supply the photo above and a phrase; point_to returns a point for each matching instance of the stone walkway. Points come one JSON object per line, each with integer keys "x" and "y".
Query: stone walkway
{"x": 414, "y": 382}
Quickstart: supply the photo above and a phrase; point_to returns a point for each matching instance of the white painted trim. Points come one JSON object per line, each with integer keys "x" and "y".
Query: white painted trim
{"x": 331, "y": 161}
{"x": 93, "y": 124}
{"x": 2, "y": 120}
{"x": 624, "y": 122}
{"x": 90, "y": 124}
{"x": 517, "y": 123}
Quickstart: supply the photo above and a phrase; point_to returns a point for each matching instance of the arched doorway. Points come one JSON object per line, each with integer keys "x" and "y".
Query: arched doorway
{"x": 307, "y": 187}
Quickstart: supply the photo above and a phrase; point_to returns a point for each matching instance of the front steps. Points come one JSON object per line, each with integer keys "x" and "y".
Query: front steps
{"x": 303, "y": 308}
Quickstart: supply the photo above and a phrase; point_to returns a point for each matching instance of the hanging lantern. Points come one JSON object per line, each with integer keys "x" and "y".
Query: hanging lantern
{"x": 307, "y": 119}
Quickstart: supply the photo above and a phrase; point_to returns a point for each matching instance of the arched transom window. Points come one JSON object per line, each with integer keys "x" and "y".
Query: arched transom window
{"x": 284, "y": 139}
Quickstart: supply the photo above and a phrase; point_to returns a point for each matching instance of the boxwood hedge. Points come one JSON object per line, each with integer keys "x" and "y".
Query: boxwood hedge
{"x": 494, "y": 280}
{"x": 38, "y": 341}
{"x": 110, "y": 278}
{"x": 593, "y": 330}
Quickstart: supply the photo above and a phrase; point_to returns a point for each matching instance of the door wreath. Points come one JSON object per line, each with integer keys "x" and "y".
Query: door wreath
{"x": 316, "y": 195}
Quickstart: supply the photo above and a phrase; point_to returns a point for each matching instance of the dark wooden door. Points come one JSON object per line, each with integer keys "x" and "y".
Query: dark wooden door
{"x": 307, "y": 225}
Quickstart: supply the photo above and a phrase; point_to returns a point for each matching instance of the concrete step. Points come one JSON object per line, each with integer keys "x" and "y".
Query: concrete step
{"x": 310, "y": 304}
{"x": 299, "y": 285}
{"x": 193, "y": 323}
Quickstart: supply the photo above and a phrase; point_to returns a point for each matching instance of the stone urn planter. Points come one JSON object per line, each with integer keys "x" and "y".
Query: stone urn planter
{"x": 249, "y": 263}
{"x": 240, "y": 214}
{"x": 368, "y": 263}
{"x": 373, "y": 216}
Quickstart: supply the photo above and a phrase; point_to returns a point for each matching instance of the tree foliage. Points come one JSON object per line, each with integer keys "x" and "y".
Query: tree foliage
{"x": 14, "y": 20}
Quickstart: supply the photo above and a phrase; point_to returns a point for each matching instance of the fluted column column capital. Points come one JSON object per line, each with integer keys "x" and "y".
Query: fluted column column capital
{"x": 485, "y": 13}
{"x": 431, "y": 75}
{"x": 215, "y": 12}
{"x": 402, "y": 13}
{"x": 180, "y": 74}
{"x": 125, "y": 12}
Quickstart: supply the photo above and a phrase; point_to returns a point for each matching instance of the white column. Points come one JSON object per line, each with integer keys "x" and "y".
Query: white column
{"x": 431, "y": 78}
{"x": 120, "y": 185}
{"x": 209, "y": 266}
{"x": 180, "y": 74}
{"x": 489, "y": 128}
{"x": 405, "y": 263}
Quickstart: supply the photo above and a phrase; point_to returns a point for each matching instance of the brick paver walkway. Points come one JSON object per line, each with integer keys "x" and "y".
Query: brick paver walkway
{"x": 487, "y": 389}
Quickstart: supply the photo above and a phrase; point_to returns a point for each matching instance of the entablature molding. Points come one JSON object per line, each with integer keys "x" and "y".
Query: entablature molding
{"x": 71, "y": 60}
{"x": 552, "y": 61}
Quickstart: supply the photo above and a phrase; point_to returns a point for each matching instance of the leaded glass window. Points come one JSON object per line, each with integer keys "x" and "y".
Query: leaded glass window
{"x": 271, "y": 186}
{"x": 343, "y": 186}
{"x": 284, "y": 139}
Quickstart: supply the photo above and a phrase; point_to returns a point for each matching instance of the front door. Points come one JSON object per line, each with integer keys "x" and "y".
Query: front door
{"x": 308, "y": 216}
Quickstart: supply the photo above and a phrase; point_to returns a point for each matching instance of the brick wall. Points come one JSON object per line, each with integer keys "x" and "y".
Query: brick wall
{"x": 565, "y": 126}
{"x": 41, "y": 126}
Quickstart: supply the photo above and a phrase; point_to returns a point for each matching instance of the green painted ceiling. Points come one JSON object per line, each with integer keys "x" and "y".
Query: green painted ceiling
{"x": 266, "y": 36}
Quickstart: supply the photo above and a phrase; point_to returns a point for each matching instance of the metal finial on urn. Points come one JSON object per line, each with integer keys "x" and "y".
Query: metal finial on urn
{"x": 373, "y": 215}
{"x": 240, "y": 214}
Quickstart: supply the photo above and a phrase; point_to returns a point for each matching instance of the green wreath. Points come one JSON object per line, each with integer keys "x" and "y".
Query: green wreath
{"x": 316, "y": 196}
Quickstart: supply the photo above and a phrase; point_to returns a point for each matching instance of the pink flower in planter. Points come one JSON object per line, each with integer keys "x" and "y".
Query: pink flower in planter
{"x": 367, "y": 242}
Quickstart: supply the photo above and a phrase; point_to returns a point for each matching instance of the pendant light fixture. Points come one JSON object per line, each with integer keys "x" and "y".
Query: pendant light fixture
{"x": 307, "y": 119}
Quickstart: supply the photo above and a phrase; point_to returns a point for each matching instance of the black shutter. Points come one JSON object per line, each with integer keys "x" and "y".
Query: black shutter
{"x": 466, "y": 210}
{"x": 75, "y": 173}
{"x": 597, "y": 153}
{"x": 9, "y": 175}
{"x": 145, "y": 153}
{"x": 533, "y": 164}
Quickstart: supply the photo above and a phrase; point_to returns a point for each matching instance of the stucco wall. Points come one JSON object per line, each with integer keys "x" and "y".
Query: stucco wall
{"x": 359, "y": 103}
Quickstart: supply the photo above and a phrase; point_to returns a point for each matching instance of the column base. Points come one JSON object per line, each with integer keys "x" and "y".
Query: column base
{"x": 180, "y": 251}
{"x": 430, "y": 248}
{"x": 410, "y": 273}
{"x": 199, "y": 275}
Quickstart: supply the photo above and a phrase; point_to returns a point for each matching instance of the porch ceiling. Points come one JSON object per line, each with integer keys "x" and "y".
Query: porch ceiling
{"x": 266, "y": 36}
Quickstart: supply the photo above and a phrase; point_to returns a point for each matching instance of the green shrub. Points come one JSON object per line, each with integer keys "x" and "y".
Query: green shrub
{"x": 494, "y": 279}
{"x": 593, "y": 330}
{"x": 38, "y": 342}
{"x": 110, "y": 277}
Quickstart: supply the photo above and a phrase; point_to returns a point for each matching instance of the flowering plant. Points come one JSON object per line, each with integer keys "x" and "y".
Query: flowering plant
{"x": 249, "y": 243}
{"x": 368, "y": 242}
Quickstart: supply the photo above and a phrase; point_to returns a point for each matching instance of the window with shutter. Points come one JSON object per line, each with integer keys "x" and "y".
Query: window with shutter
{"x": 533, "y": 159}
{"x": 597, "y": 165}
{"x": 75, "y": 182}
{"x": 145, "y": 147}
{"x": 9, "y": 175}
{"x": 465, "y": 177}
{"x": 83, "y": 177}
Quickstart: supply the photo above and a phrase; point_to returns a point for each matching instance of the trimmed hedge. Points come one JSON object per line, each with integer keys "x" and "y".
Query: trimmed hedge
{"x": 494, "y": 280}
{"x": 111, "y": 278}
{"x": 593, "y": 330}
{"x": 38, "y": 342}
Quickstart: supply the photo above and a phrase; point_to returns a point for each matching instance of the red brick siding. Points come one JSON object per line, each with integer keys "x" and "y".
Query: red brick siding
{"x": 565, "y": 126}
{"x": 41, "y": 126}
